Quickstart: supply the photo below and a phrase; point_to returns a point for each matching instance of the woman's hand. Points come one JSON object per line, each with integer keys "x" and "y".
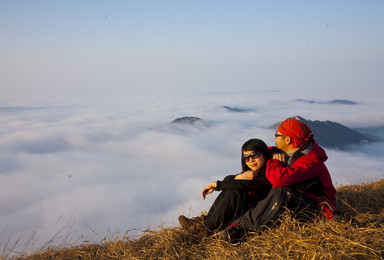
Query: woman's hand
{"x": 209, "y": 189}
{"x": 247, "y": 175}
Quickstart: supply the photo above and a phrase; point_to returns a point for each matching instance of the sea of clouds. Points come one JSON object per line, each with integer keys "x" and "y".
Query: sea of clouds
{"x": 84, "y": 171}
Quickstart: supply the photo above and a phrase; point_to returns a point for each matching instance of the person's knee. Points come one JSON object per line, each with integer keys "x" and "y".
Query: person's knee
{"x": 233, "y": 195}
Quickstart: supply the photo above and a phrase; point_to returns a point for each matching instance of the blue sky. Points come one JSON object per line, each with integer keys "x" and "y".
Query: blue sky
{"x": 183, "y": 46}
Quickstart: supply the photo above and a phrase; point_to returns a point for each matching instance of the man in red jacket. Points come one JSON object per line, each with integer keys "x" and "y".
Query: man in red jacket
{"x": 300, "y": 182}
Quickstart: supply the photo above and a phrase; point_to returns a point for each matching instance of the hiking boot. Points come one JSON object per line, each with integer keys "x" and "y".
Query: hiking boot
{"x": 200, "y": 231}
{"x": 190, "y": 223}
{"x": 232, "y": 234}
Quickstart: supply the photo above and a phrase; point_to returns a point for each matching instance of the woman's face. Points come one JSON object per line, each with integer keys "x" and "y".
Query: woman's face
{"x": 254, "y": 160}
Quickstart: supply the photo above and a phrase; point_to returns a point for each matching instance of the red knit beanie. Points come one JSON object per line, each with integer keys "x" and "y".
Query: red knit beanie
{"x": 296, "y": 129}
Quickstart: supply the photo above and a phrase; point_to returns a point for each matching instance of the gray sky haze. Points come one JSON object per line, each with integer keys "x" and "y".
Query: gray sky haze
{"x": 72, "y": 47}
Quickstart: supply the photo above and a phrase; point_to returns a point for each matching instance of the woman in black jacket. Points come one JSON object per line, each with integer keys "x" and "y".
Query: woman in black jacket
{"x": 239, "y": 192}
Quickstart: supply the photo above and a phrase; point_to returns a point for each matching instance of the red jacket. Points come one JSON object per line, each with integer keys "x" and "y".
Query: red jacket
{"x": 306, "y": 167}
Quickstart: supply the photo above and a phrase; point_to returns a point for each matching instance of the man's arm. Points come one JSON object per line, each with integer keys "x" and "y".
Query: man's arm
{"x": 304, "y": 168}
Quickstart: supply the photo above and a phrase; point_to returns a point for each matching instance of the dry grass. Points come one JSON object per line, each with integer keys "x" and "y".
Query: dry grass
{"x": 339, "y": 239}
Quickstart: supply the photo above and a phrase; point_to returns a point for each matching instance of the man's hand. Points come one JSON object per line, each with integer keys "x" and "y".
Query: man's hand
{"x": 247, "y": 175}
{"x": 279, "y": 156}
{"x": 209, "y": 189}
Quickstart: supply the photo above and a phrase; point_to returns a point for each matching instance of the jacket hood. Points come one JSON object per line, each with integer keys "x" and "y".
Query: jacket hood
{"x": 319, "y": 151}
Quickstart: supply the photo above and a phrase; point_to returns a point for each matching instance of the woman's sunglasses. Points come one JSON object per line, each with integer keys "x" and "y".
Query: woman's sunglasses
{"x": 254, "y": 156}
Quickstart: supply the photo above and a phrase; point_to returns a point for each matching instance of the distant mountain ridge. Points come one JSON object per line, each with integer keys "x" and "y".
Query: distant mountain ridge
{"x": 236, "y": 109}
{"x": 335, "y": 101}
{"x": 326, "y": 133}
{"x": 334, "y": 135}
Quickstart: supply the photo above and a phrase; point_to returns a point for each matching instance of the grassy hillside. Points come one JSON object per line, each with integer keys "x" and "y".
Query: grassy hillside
{"x": 358, "y": 236}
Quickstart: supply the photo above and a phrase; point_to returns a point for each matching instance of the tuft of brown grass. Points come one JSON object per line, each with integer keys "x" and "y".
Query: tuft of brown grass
{"x": 355, "y": 234}
{"x": 363, "y": 198}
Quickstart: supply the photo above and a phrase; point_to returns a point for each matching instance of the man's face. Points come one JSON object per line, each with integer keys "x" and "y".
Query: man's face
{"x": 280, "y": 141}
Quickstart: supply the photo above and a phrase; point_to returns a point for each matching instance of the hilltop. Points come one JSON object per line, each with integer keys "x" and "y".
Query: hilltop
{"x": 357, "y": 233}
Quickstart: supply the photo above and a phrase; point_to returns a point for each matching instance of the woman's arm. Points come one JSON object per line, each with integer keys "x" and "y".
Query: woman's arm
{"x": 209, "y": 189}
{"x": 259, "y": 183}
{"x": 247, "y": 175}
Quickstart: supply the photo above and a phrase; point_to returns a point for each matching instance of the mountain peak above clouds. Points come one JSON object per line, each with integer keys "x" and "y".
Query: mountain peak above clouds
{"x": 332, "y": 102}
{"x": 334, "y": 135}
{"x": 189, "y": 120}
{"x": 185, "y": 124}
{"x": 236, "y": 109}
{"x": 342, "y": 101}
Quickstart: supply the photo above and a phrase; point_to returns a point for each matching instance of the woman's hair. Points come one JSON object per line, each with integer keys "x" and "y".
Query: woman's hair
{"x": 255, "y": 145}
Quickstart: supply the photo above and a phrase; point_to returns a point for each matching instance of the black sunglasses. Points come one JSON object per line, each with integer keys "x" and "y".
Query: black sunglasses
{"x": 277, "y": 135}
{"x": 254, "y": 155}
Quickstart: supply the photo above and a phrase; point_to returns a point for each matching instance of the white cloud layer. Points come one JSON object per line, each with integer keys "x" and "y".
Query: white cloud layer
{"x": 70, "y": 172}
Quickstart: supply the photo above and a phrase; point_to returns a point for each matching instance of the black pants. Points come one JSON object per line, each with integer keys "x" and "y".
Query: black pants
{"x": 277, "y": 201}
{"x": 227, "y": 207}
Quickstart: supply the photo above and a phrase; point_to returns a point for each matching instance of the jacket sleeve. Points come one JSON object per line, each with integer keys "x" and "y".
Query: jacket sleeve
{"x": 304, "y": 168}
{"x": 260, "y": 183}
{"x": 229, "y": 177}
